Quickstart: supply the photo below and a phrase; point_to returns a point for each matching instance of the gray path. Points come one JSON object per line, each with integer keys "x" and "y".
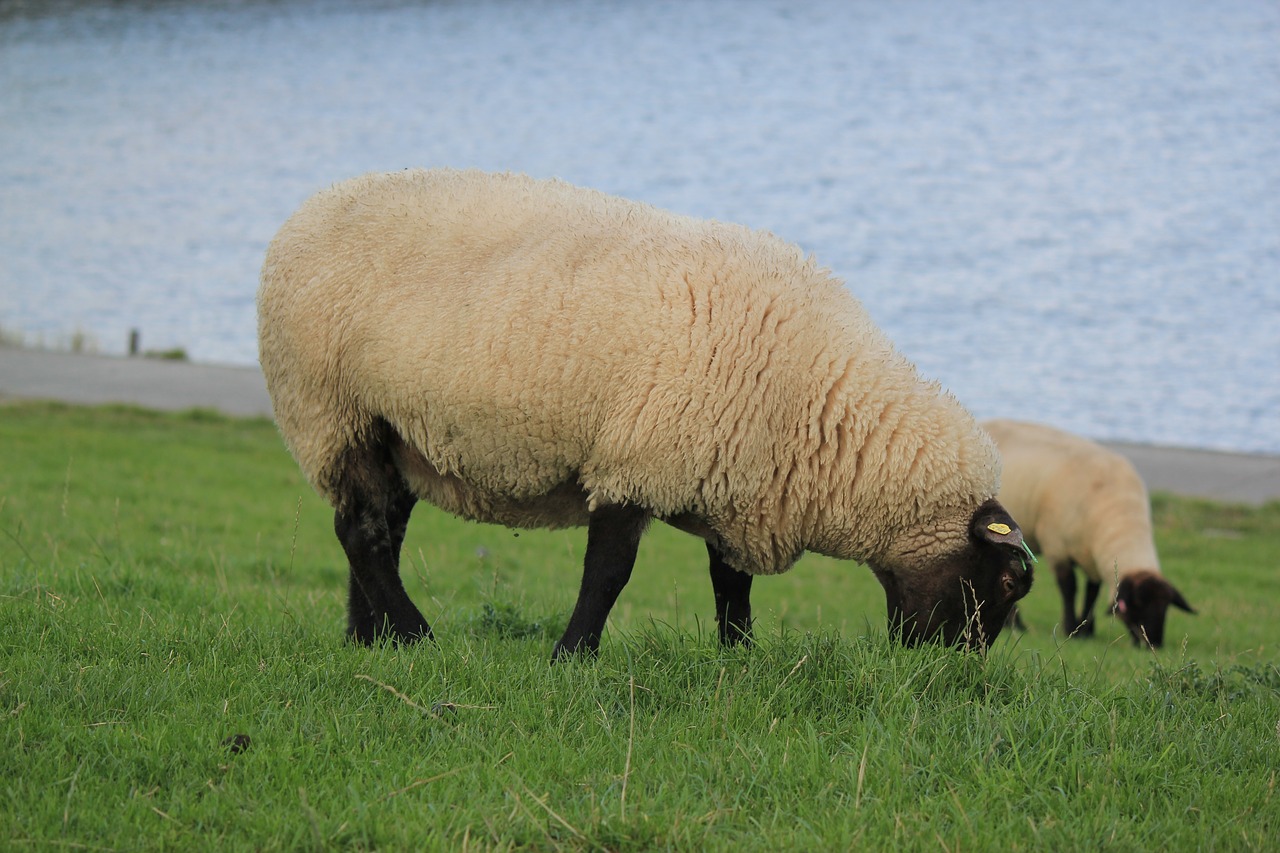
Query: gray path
{"x": 155, "y": 384}
{"x": 89, "y": 379}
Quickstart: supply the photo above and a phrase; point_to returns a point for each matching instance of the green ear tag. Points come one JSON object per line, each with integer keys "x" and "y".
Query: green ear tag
{"x": 997, "y": 527}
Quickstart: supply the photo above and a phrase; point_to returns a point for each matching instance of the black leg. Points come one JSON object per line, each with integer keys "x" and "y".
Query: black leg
{"x": 1091, "y": 589}
{"x": 733, "y": 599}
{"x": 370, "y": 522}
{"x": 398, "y": 517}
{"x": 1066, "y": 575}
{"x": 613, "y": 537}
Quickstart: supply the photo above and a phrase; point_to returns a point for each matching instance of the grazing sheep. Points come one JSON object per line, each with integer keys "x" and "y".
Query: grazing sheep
{"x": 538, "y": 355}
{"x": 1081, "y": 505}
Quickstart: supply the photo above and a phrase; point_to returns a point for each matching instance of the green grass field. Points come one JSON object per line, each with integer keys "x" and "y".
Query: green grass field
{"x": 173, "y": 676}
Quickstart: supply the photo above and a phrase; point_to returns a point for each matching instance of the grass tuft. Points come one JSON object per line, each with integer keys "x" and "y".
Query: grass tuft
{"x": 506, "y": 621}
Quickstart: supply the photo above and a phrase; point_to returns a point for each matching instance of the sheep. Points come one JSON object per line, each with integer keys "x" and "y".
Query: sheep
{"x": 533, "y": 354}
{"x": 1083, "y": 506}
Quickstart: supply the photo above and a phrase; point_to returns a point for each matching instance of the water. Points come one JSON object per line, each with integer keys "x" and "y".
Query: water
{"x": 1067, "y": 212}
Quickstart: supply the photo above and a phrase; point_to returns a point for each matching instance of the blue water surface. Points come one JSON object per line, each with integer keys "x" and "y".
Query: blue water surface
{"x": 1068, "y": 212}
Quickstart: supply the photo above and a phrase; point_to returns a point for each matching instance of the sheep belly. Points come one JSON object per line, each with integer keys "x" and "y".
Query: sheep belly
{"x": 563, "y": 505}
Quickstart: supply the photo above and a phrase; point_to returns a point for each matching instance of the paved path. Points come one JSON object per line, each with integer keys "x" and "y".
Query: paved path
{"x": 153, "y": 383}
{"x": 90, "y": 379}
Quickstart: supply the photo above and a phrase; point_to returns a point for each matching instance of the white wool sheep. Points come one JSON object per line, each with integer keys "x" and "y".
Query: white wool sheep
{"x": 1083, "y": 506}
{"x": 535, "y": 354}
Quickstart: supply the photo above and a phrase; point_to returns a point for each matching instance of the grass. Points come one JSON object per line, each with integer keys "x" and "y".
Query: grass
{"x": 172, "y": 676}
{"x": 78, "y": 341}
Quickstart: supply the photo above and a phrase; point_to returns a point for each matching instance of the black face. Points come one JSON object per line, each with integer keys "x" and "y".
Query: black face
{"x": 966, "y": 598}
{"x": 1142, "y": 603}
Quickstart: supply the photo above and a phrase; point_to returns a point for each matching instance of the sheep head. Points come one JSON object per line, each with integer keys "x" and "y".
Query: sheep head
{"x": 1142, "y": 602}
{"x": 962, "y": 597}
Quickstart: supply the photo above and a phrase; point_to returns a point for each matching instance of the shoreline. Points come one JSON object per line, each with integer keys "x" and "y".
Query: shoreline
{"x": 84, "y": 379}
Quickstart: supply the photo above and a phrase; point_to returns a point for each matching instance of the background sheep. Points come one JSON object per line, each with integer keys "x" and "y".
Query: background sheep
{"x": 1081, "y": 505}
{"x": 534, "y": 354}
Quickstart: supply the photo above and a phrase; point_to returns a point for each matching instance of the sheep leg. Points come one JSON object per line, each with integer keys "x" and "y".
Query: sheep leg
{"x": 613, "y": 537}
{"x": 370, "y": 522}
{"x": 1091, "y": 589}
{"x": 1065, "y": 572}
{"x": 733, "y": 600}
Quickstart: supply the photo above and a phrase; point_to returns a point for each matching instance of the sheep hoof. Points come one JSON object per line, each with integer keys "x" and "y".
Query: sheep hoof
{"x": 736, "y": 635}
{"x": 366, "y": 636}
{"x": 1080, "y": 629}
{"x": 575, "y": 651}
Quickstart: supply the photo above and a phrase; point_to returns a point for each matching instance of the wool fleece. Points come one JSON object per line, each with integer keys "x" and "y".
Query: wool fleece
{"x": 540, "y": 350}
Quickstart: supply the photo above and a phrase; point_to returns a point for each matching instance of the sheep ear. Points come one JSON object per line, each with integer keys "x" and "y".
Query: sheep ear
{"x": 1178, "y": 601}
{"x": 1002, "y": 533}
{"x": 992, "y": 524}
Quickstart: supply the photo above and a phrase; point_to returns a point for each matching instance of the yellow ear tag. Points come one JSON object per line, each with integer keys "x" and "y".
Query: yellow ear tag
{"x": 997, "y": 527}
